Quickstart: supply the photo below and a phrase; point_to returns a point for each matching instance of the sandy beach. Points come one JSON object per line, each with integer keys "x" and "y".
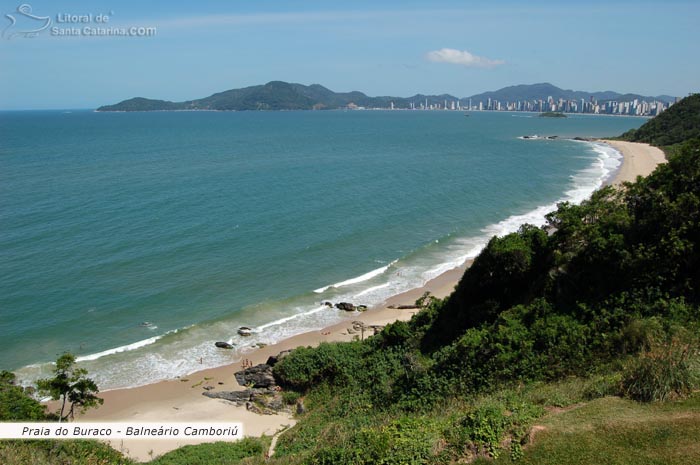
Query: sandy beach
{"x": 181, "y": 399}
{"x": 639, "y": 160}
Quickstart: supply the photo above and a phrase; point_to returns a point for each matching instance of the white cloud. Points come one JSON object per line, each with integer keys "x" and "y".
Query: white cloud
{"x": 461, "y": 57}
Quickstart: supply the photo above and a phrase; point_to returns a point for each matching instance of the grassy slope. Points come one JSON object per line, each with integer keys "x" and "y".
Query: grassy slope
{"x": 52, "y": 452}
{"x": 615, "y": 431}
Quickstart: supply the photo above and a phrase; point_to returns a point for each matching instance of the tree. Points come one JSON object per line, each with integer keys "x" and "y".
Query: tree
{"x": 71, "y": 385}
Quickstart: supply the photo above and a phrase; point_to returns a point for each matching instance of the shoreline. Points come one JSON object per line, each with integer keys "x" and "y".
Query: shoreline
{"x": 638, "y": 159}
{"x": 179, "y": 400}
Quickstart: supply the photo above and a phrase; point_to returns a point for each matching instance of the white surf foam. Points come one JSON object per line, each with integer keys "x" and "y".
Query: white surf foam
{"x": 117, "y": 350}
{"x": 290, "y": 318}
{"x": 583, "y": 184}
{"x": 369, "y": 290}
{"x": 365, "y": 277}
{"x": 125, "y": 348}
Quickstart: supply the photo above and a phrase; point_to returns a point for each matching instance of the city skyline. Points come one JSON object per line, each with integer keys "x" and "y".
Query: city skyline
{"x": 98, "y": 52}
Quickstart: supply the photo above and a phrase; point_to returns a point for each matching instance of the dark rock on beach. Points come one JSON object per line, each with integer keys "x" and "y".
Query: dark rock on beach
{"x": 245, "y": 331}
{"x": 269, "y": 400}
{"x": 259, "y": 376}
{"x": 262, "y": 395}
{"x": 348, "y": 307}
{"x": 238, "y": 397}
{"x": 260, "y": 401}
{"x": 223, "y": 345}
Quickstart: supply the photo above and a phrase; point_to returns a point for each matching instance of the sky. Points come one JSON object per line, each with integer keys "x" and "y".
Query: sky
{"x": 397, "y": 48}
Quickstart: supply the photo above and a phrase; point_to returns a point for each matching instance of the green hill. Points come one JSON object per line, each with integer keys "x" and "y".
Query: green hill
{"x": 143, "y": 104}
{"x": 277, "y": 95}
{"x": 677, "y": 124}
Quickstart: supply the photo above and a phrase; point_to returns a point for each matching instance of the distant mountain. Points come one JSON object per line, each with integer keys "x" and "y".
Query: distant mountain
{"x": 544, "y": 90}
{"x": 276, "y": 95}
{"x": 279, "y": 95}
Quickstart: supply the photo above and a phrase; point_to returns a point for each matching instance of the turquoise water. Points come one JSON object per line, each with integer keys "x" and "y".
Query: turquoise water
{"x": 202, "y": 222}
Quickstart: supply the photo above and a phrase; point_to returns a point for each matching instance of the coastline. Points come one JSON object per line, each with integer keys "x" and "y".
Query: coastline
{"x": 182, "y": 399}
{"x": 637, "y": 160}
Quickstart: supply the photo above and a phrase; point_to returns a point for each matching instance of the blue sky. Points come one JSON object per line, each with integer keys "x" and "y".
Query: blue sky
{"x": 381, "y": 48}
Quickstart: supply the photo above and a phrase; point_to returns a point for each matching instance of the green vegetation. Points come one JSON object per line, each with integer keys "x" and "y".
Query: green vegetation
{"x": 16, "y": 402}
{"x": 275, "y": 95}
{"x": 616, "y": 432}
{"x": 71, "y": 386}
{"x": 142, "y": 104}
{"x": 63, "y": 452}
{"x": 552, "y": 114}
{"x": 670, "y": 127}
{"x": 219, "y": 453}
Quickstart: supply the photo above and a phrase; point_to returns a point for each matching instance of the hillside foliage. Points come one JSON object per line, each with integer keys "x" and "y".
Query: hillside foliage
{"x": 670, "y": 127}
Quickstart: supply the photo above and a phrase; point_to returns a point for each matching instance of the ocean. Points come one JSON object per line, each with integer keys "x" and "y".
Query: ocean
{"x": 137, "y": 240}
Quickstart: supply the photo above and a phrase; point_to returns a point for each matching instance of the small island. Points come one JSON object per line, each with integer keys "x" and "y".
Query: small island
{"x": 552, "y": 114}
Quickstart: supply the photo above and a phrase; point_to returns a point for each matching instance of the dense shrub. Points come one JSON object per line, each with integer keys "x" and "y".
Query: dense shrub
{"x": 16, "y": 403}
{"x": 333, "y": 363}
{"x": 489, "y": 428}
{"x": 661, "y": 373}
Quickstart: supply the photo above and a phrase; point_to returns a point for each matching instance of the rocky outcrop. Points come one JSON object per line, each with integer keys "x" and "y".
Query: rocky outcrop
{"x": 348, "y": 307}
{"x": 262, "y": 395}
{"x": 260, "y": 401}
{"x": 239, "y": 397}
{"x": 259, "y": 376}
{"x": 223, "y": 345}
{"x": 268, "y": 400}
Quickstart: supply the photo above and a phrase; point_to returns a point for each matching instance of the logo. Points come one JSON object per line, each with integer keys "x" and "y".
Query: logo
{"x": 25, "y": 24}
